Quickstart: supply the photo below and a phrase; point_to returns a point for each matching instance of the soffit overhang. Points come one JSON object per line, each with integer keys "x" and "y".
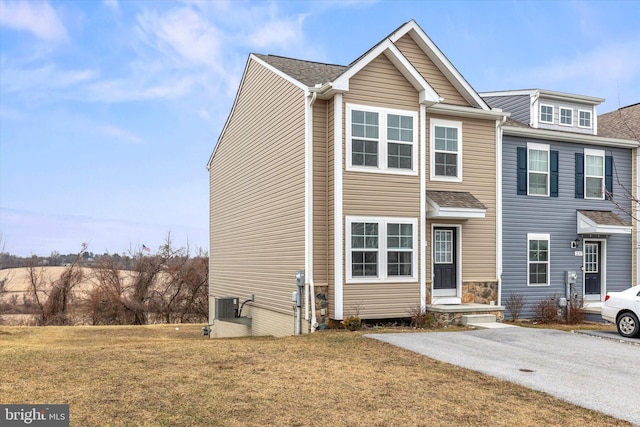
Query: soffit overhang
{"x": 454, "y": 205}
{"x": 601, "y": 222}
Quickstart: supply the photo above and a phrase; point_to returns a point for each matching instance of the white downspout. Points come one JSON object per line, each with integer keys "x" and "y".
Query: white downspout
{"x": 423, "y": 208}
{"x": 635, "y": 196}
{"x": 533, "y": 110}
{"x": 499, "y": 124}
{"x": 310, "y": 285}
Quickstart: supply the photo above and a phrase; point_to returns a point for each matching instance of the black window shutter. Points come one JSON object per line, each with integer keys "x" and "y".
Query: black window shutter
{"x": 522, "y": 171}
{"x": 579, "y": 176}
{"x": 553, "y": 178}
{"x": 608, "y": 176}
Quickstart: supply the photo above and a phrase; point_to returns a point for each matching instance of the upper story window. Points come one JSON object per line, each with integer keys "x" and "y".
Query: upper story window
{"x": 381, "y": 140}
{"x": 446, "y": 150}
{"x": 546, "y": 113}
{"x": 538, "y": 259}
{"x": 566, "y": 116}
{"x": 381, "y": 249}
{"x": 538, "y": 169}
{"x": 584, "y": 118}
{"x": 593, "y": 174}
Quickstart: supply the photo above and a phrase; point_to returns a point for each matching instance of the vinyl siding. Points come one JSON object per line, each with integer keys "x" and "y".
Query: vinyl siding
{"x": 330, "y": 209}
{"x": 380, "y": 84}
{"x": 320, "y": 183}
{"x": 556, "y": 116}
{"x": 557, "y": 216}
{"x": 478, "y": 174}
{"x": 430, "y": 72}
{"x": 257, "y": 194}
{"x": 517, "y": 105}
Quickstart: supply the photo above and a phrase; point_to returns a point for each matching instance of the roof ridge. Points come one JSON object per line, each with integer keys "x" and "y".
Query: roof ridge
{"x": 298, "y": 59}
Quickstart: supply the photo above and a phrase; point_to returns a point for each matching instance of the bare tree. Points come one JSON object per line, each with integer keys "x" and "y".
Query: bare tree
{"x": 52, "y": 298}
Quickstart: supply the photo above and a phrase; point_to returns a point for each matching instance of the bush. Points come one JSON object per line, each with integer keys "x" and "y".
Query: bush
{"x": 547, "y": 310}
{"x": 514, "y": 305}
{"x": 352, "y": 323}
{"x": 575, "y": 313}
{"x": 420, "y": 319}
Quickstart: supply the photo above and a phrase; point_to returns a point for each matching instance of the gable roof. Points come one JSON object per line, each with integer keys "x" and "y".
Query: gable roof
{"x": 621, "y": 123}
{"x": 308, "y": 72}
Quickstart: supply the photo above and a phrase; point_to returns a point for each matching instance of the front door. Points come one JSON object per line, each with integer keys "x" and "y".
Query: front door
{"x": 444, "y": 261}
{"x": 592, "y": 270}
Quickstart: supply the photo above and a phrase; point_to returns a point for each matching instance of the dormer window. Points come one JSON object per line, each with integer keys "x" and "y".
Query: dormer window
{"x": 584, "y": 119}
{"x": 566, "y": 116}
{"x": 546, "y": 113}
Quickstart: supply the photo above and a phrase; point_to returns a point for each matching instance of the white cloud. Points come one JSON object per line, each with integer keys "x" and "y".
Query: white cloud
{"x": 19, "y": 79}
{"x": 122, "y": 90}
{"x": 112, "y": 4}
{"x": 121, "y": 134}
{"x": 183, "y": 32}
{"x": 280, "y": 32}
{"x": 38, "y": 18}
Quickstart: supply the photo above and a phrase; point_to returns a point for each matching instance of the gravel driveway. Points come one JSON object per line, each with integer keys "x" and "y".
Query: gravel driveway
{"x": 586, "y": 370}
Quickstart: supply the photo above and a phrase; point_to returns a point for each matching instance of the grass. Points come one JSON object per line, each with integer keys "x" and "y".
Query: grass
{"x": 160, "y": 376}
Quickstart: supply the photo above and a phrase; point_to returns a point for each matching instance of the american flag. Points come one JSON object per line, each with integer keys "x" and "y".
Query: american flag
{"x": 146, "y": 249}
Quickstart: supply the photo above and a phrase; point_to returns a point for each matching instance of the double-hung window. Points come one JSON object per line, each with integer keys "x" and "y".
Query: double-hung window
{"x": 446, "y": 150}
{"x": 538, "y": 259}
{"x": 381, "y": 249}
{"x": 584, "y": 118}
{"x": 381, "y": 140}
{"x": 546, "y": 113}
{"x": 566, "y": 116}
{"x": 538, "y": 169}
{"x": 594, "y": 174}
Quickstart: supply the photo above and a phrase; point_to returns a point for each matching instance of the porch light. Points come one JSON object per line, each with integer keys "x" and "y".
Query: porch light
{"x": 575, "y": 243}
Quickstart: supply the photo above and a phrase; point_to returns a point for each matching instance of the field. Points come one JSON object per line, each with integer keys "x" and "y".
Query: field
{"x": 163, "y": 376}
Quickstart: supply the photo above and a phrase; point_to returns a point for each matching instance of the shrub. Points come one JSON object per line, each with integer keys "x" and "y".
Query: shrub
{"x": 547, "y": 310}
{"x": 420, "y": 319}
{"x": 575, "y": 313}
{"x": 352, "y": 323}
{"x": 514, "y": 305}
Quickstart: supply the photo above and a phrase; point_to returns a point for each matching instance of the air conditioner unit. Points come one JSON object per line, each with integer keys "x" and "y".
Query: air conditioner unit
{"x": 226, "y": 307}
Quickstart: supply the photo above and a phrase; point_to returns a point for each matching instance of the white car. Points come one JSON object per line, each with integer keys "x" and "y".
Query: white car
{"x": 623, "y": 309}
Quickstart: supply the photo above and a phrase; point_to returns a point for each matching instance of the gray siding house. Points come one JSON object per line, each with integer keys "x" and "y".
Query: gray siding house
{"x": 566, "y": 217}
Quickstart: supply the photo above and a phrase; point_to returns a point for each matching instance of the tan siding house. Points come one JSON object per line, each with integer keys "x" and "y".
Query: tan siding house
{"x": 377, "y": 179}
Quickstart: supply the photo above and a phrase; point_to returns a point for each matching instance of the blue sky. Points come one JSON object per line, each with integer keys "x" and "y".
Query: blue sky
{"x": 109, "y": 110}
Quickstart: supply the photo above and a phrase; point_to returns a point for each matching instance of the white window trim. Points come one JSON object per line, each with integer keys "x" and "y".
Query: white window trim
{"x": 560, "y": 116}
{"x": 382, "y": 250}
{"x": 594, "y": 153}
{"x": 539, "y": 147}
{"x": 382, "y": 141}
{"x": 432, "y": 159}
{"x": 552, "y": 113}
{"x": 539, "y": 236}
{"x": 590, "y": 119}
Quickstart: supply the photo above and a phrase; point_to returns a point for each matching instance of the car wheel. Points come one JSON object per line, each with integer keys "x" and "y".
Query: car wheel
{"x": 628, "y": 325}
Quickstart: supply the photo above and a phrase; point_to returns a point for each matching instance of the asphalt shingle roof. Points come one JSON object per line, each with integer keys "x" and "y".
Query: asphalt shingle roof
{"x": 307, "y": 72}
{"x": 622, "y": 123}
{"x": 605, "y": 218}
{"x": 455, "y": 199}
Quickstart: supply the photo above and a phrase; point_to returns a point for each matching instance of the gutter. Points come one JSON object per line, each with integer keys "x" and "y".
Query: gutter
{"x": 570, "y": 137}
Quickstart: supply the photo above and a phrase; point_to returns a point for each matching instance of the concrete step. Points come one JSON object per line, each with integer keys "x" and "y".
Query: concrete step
{"x": 489, "y": 325}
{"x": 477, "y": 318}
